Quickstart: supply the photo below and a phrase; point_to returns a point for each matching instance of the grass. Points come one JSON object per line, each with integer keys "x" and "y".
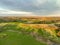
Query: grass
{"x": 15, "y": 38}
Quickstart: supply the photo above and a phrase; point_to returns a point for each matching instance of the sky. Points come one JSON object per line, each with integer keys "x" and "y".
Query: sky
{"x": 30, "y": 7}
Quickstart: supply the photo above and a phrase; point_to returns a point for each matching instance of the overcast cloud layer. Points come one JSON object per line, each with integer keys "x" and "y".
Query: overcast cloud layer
{"x": 37, "y": 7}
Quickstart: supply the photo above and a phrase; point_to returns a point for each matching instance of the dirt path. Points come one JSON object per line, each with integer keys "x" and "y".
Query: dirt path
{"x": 14, "y": 31}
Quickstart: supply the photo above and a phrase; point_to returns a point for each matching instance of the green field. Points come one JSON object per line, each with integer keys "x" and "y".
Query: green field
{"x": 14, "y": 38}
{"x": 12, "y": 34}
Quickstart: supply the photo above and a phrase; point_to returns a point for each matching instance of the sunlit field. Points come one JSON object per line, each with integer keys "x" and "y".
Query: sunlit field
{"x": 29, "y": 32}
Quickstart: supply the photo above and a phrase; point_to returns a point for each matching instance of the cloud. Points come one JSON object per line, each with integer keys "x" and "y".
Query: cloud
{"x": 58, "y": 3}
{"x": 38, "y": 7}
{"x": 14, "y": 13}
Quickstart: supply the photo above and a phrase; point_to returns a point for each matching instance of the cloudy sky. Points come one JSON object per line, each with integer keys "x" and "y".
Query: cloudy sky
{"x": 30, "y": 7}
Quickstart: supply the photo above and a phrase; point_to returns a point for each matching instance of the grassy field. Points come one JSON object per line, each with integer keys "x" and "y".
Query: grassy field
{"x": 14, "y": 37}
{"x": 16, "y": 33}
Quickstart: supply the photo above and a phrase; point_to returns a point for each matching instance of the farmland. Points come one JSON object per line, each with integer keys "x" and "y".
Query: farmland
{"x": 28, "y": 31}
